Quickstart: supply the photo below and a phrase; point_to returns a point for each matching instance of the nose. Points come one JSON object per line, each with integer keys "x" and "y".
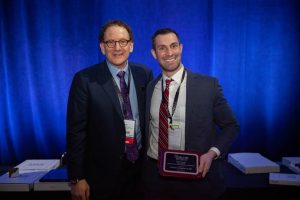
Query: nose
{"x": 169, "y": 52}
{"x": 117, "y": 46}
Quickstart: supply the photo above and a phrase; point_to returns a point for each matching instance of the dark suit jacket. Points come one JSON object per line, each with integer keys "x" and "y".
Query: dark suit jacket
{"x": 95, "y": 124}
{"x": 206, "y": 108}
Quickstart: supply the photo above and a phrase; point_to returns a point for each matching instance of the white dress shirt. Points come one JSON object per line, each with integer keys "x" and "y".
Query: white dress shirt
{"x": 132, "y": 96}
{"x": 178, "y": 117}
{"x": 179, "y": 114}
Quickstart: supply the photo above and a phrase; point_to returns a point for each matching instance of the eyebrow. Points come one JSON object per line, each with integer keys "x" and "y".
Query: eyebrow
{"x": 168, "y": 45}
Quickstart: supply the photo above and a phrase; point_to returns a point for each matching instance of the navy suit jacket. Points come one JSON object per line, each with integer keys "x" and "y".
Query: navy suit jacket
{"x": 206, "y": 109}
{"x": 95, "y": 124}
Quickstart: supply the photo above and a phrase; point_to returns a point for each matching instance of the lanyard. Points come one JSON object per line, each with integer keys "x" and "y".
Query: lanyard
{"x": 175, "y": 99}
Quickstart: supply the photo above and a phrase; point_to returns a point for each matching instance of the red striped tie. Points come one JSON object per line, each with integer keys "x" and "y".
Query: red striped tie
{"x": 163, "y": 120}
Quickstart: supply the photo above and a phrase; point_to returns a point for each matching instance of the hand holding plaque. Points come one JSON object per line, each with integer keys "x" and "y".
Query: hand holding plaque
{"x": 180, "y": 164}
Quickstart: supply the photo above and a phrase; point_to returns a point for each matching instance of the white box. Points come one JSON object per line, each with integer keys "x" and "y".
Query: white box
{"x": 39, "y": 164}
{"x": 54, "y": 180}
{"x": 284, "y": 179}
{"x": 29, "y": 172}
{"x": 51, "y": 186}
{"x": 251, "y": 163}
{"x": 23, "y": 182}
{"x": 291, "y": 162}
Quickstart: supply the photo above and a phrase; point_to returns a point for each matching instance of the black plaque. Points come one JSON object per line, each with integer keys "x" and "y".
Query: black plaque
{"x": 180, "y": 164}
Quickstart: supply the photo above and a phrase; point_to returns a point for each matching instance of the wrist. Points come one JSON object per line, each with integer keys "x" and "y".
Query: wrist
{"x": 74, "y": 181}
{"x": 212, "y": 154}
{"x": 216, "y": 150}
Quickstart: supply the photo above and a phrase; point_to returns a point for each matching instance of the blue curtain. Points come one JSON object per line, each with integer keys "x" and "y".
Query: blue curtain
{"x": 251, "y": 46}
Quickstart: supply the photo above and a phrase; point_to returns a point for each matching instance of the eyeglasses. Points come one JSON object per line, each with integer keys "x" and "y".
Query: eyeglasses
{"x": 112, "y": 43}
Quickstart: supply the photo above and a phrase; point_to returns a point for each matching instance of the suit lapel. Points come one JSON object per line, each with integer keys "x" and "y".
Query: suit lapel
{"x": 139, "y": 87}
{"x": 105, "y": 79}
{"x": 149, "y": 93}
{"x": 191, "y": 88}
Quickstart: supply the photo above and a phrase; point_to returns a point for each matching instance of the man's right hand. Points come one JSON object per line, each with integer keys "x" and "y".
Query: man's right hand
{"x": 80, "y": 190}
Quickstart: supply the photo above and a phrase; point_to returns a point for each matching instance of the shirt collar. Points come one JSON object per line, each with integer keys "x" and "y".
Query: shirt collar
{"x": 176, "y": 77}
{"x": 114, "y": 70}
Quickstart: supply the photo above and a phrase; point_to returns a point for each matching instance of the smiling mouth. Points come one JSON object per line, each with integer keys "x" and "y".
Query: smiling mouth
{"x": 117, "y": 55}
{"x": 170, "y": 60}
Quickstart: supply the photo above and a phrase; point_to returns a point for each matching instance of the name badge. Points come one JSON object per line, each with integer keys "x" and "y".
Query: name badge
{"x": 129, "y": 129}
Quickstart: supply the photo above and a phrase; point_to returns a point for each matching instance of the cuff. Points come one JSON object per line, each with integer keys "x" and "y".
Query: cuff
{"x": 216, "y": 150}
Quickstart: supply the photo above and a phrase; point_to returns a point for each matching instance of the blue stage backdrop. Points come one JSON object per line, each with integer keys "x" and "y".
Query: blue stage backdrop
{"x": 251, "y": 46}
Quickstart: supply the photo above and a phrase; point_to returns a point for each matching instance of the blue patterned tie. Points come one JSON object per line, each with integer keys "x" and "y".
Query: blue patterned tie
{"x": 131, "y": 149}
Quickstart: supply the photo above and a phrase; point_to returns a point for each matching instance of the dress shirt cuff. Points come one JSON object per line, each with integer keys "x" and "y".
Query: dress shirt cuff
{"x": 216, "y": 150}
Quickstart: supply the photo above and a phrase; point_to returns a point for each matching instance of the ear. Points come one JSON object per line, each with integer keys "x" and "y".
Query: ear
{"x": 102, "y": 48}
{"x": 131, "y": 47}
{"x": 153, "y": 53}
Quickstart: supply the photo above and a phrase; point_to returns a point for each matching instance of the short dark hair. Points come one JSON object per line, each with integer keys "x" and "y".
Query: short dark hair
{"x": 163, "y": 31}
{"x": 114, "y": 23}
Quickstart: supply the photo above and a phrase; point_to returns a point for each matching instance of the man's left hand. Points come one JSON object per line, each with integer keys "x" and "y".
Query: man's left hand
{"x": 205, "y": 162}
